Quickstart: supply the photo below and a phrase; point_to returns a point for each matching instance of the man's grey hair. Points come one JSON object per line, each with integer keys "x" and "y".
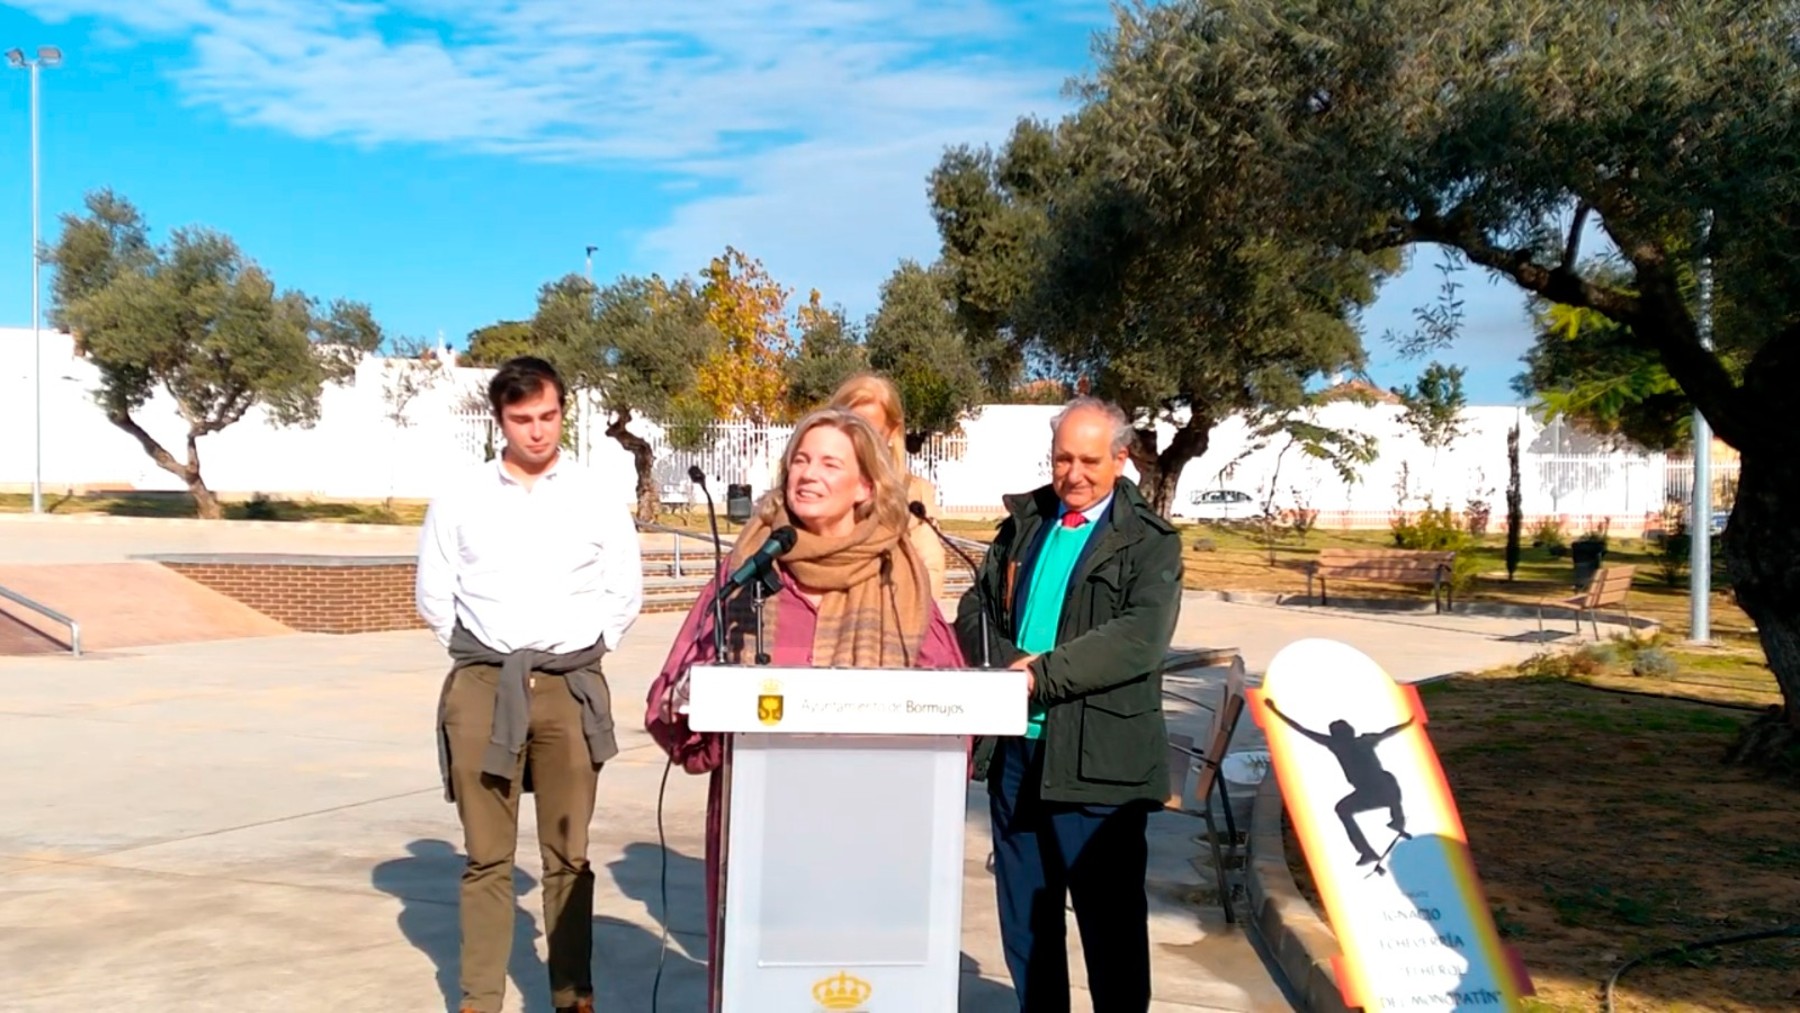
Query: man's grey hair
{"x": 1122, "y": 431}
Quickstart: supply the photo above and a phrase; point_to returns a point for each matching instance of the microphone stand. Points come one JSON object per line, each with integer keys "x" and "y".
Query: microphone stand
{"x": 918, "y": 510}
{"x": 699, "y": 478}
{"x": 758, "y": 590}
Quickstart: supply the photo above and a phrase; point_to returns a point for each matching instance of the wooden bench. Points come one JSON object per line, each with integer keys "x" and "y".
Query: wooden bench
{"x": 1200, "y": 761}
{"x": 1389, "y": 566}
{"x": 1609, "y": 587}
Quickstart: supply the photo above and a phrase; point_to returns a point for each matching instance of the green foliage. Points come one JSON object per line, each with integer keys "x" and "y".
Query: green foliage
{"x": 1160, "y": 308}
{"x": 1511, "y": 134}
{"x": 1654, "y": 663}
{"x": 1592, "y": 370}
{"x": 991, "y": 210}
{"x": 916, "y": 339}
{"x": 1673, "y": 553}
{"x": 1439, "y": 530}
{"x": 497, "y": 342}
{"x": 1547, "y": 534}
{"x": 1430, "y": 530}
{"x": 829, "y": 354}
{"x": 1593, "y": 659}
{"x": 1434, "y": 408}
{"x": 637, "y": 344}
{"x": 200, "y": 320}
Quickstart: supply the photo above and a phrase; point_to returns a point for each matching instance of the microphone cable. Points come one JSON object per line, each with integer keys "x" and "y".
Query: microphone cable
{"x": 662, "y": 841}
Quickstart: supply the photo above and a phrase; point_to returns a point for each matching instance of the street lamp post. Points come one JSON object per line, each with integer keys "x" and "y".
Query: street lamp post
{"x": 589, "y": 270}
{"x": 47, "y": 56}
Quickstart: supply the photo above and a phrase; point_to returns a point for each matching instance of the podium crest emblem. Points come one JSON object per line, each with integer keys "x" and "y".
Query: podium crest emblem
{"x": 769, "y": 703}
{"x": 842, "y": 992}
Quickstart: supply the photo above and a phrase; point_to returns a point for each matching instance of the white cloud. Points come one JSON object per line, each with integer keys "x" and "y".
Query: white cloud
{"x": 821, "y": 117}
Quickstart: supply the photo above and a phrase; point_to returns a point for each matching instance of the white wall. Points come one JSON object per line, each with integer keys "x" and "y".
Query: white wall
{"x": 356, "y": 451}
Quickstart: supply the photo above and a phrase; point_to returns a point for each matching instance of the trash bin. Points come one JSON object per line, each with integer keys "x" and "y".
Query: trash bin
{"x": 1244, "y": 772}
{"x": 1587, "y": 554}
{"x": 738, "y": 504}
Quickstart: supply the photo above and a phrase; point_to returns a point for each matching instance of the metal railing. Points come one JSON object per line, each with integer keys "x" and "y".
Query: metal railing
{"x": 49, "y": 613}
{"x": 973, "y": 548}
{"x": 681, "y": 533}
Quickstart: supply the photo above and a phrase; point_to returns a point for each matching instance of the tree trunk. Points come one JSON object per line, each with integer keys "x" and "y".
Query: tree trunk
{"x": 1515, "y": 515}
{"x": 206, "y": 505}
{"x": 1762, "y": 556}
{"x": 644, "y": 458}
{"x": 1160, "y": 471}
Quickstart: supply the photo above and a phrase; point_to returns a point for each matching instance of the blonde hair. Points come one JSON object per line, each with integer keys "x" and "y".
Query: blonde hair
{"x": 873, "y": 388}
{"x": 888, "y": 501}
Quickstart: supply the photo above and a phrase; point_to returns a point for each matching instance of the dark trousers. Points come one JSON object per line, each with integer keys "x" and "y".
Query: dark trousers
{"x": 1045, "y": 852}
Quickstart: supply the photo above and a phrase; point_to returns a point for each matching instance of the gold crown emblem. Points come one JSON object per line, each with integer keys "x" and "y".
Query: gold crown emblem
{"x": 841, "y": 992}
{"x": 771, "y": 686}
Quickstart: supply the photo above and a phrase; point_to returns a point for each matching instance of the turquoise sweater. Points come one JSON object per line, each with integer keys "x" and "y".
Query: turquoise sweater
{"x": 1044, "y": 600}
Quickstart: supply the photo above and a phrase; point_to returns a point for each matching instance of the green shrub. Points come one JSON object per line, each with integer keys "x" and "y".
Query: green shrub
{"x": 1654, "y": 663}
{"x": 1547, "y": 534}
{"x": 1439, "y": 530}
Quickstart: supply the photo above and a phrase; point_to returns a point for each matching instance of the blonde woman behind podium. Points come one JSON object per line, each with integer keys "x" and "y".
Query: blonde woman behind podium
{"x": 876, "y": 399}
{"x": 854, "y": 593}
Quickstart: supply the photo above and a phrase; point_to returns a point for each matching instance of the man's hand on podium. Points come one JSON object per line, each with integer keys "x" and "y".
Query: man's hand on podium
{"x": 1024, "y": 664}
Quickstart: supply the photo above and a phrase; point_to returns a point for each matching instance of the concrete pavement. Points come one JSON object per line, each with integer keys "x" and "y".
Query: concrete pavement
{"x": 250, "y": 823}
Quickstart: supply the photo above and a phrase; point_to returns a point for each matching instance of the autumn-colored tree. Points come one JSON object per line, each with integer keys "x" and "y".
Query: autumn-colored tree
{"x": 744, "y": 377}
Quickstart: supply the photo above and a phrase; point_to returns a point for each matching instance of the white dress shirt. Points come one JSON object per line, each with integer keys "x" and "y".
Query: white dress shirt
{"x": 553, "y": 567}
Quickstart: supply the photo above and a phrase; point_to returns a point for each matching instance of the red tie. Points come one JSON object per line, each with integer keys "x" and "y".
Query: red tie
{"x": 1074, "y": 519}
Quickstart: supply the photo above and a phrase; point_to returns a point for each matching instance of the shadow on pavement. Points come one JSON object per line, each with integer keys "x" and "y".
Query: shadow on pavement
{"x": 628, "y": 953}
{"x": 426, "y": 884}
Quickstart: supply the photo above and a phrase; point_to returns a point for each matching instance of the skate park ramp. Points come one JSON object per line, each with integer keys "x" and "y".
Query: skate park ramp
{"x": 119, "y": 605}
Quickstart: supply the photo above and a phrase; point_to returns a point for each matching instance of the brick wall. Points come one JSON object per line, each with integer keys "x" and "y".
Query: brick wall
{"x": 317, "y": 594}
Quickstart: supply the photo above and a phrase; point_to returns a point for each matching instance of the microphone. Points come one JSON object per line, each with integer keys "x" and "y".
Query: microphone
{"x": 699, "y": 479}
{"x": 779, "y": 542}
{"x": 918, "y": 510}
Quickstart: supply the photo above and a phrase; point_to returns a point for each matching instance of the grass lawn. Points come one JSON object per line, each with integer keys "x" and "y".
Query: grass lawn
{"x": 1604, "y": 827}
{"x": 180, "y": 504}
{"x": 1225, "y": 558}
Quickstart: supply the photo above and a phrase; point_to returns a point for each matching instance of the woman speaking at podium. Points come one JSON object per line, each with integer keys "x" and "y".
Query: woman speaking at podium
{"x": 852, "y": 593}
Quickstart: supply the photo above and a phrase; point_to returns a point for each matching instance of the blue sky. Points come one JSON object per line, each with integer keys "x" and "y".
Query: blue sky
{"x": 442, "y": 159}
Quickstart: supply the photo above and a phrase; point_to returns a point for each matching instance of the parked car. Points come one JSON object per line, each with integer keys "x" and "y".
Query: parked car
{"x": 1217, "y": 505}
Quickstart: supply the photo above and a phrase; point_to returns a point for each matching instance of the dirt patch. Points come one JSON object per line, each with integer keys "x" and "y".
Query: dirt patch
{"x": 1605, "y": 827}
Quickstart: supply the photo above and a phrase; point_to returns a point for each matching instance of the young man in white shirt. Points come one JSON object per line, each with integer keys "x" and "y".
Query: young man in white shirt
{"x": 529, "y": 573}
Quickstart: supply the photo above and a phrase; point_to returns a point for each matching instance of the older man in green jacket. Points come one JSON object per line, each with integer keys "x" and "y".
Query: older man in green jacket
{"x": 1081, "y": 588}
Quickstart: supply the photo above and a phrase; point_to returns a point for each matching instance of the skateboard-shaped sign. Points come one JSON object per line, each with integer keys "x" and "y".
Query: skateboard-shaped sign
{"x": 1349, "y": 749}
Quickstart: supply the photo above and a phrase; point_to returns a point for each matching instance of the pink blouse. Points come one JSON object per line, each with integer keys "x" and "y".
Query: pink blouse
{"x": 794, "y": 620}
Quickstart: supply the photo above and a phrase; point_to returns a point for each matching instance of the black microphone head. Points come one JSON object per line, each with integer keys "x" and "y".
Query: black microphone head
{"x": 783, "y": 537}
{"x": 917, "y": 509}
{"x": 696, "y": 474}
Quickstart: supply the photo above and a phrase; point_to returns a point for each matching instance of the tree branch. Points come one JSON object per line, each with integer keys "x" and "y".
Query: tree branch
{"x": 1657, "y": 316}
{"x": 1572, "y": 248}
{"x": 162, "y": 457}
{"x": 1558, "y": 284}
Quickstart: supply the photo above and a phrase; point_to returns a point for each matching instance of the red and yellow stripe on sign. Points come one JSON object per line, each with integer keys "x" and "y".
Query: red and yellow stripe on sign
{"x": 1382, "y": 836}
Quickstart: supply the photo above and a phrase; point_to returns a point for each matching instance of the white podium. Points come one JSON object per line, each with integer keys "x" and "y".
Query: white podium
{"x": 844, "y": 803}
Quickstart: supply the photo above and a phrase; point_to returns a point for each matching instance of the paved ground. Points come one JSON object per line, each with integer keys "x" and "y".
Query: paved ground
{"x": 257, "y": 823}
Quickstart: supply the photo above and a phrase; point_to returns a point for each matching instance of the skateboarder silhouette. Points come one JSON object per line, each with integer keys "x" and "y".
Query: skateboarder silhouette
{"x": 1372, "y": 787}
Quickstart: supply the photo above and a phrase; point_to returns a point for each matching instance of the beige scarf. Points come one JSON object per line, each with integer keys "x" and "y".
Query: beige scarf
{"x": 874, "y": 594}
